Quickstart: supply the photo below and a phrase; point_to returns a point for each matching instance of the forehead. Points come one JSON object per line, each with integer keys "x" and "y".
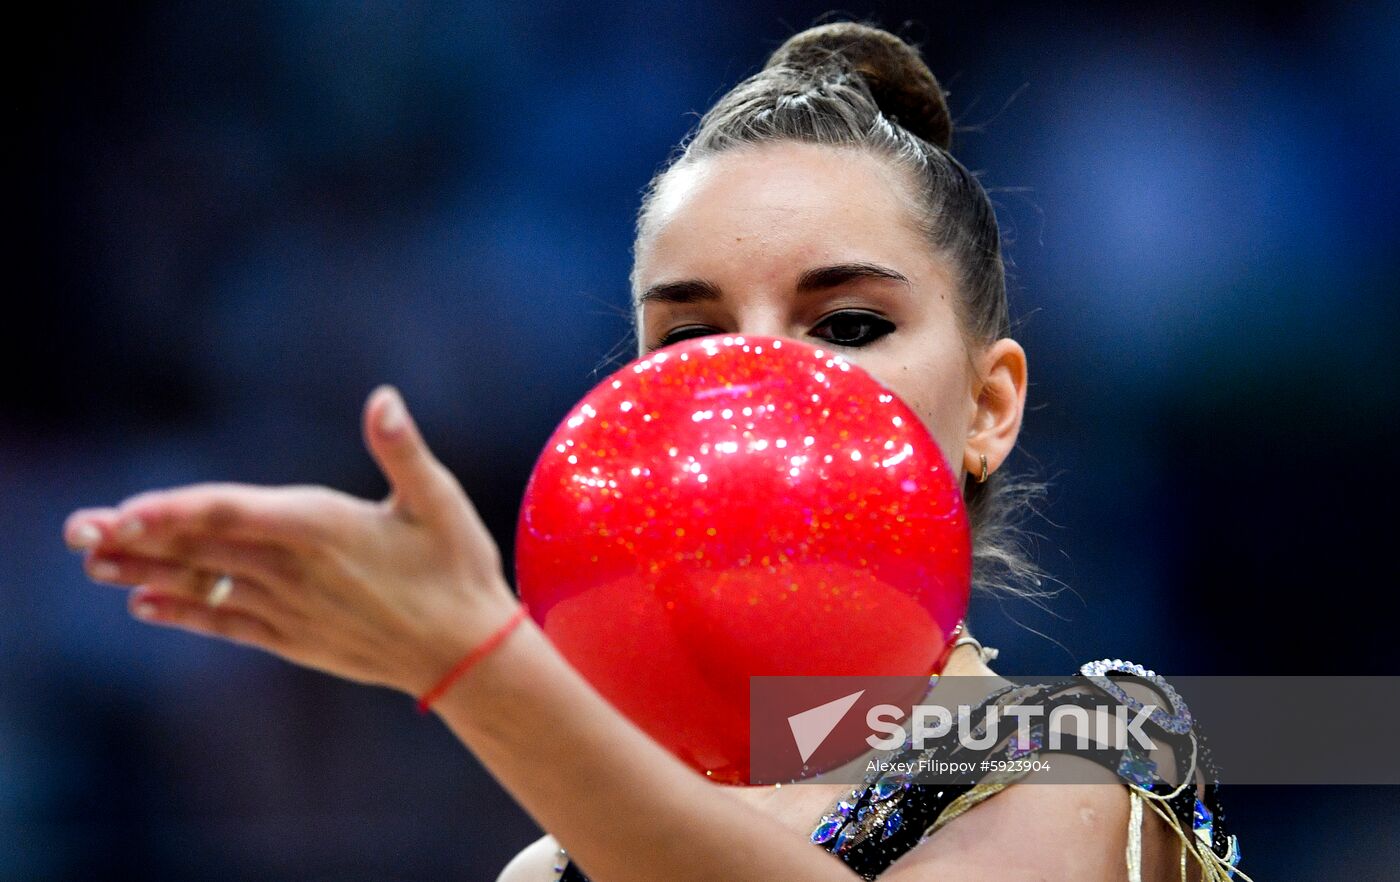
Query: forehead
{"x": 777, "y": 208}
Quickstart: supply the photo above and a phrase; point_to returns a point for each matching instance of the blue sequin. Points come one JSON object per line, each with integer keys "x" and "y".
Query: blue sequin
{"x": 826, "y": 830}
{"x": 892, "y": 824}
{"x": 1137, "y": 768}
{"x": 1232, "y": 854}
{"x": 887, "y": 787}
{"x": 1203, "y": 823}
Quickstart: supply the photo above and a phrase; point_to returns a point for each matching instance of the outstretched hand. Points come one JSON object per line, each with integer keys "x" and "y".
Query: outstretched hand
{"x": 390, "y": 593}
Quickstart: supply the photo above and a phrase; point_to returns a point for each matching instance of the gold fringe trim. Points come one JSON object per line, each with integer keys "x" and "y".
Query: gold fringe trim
{"x": 1134, "y": 850}
{"x": 1213, "y": 867}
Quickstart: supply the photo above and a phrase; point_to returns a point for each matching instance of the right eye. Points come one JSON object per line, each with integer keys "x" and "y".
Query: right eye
{"x": 688, "y": 332}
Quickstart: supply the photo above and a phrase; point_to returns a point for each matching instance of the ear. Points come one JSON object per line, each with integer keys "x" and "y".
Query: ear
{"x": 1000, "y": 394}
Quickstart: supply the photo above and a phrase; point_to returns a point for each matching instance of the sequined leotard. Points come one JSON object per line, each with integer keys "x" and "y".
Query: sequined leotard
{"x": 888, "y": 814}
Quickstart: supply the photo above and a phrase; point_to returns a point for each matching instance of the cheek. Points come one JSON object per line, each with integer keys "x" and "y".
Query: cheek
{"x": 935, "y": 392}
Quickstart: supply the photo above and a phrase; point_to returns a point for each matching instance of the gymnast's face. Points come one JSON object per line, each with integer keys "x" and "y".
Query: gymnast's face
{"x": 818, "y": 244}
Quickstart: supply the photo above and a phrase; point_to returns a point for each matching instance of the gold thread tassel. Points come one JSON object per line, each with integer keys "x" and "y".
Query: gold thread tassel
{"x": 1213, "y": 867}
{"x": 1134, "y": 853}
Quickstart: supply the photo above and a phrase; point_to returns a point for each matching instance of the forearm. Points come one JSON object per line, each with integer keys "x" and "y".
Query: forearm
{"x": 623, "y": 806}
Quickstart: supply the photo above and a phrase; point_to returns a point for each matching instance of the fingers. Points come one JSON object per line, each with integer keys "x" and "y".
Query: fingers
{"x": 172, "y": 541}
{"x": 226, "y": 621}
{"x": 422, "y": 487}
{"x": 268, "y": 564}
{"x": 294, "y": 517}
{"x": 195, "y": 585}
{"x": 89, "y": 527}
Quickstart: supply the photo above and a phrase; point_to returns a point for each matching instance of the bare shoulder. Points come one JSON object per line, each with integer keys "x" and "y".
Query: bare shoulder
{"x": 534, "y": 863}
{"x": 1040, "y": 830}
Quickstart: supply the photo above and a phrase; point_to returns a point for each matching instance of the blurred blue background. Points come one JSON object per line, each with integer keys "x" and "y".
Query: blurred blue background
{"x": 230, "y": 221}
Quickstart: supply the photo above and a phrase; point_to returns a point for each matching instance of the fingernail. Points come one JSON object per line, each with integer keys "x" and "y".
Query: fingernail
{"x": 144, "y": 610}
{"x": 86, "y": 536}
{"x": 392, "y": 416}
{"x": 104, "y": 570}
{"x": 129, "y": 528}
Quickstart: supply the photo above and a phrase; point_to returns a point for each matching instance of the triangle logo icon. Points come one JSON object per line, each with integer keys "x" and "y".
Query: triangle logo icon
{"x": 810, "y": 728}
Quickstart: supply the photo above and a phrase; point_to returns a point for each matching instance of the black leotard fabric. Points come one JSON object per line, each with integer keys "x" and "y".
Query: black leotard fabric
{"x": 887, "y": 815}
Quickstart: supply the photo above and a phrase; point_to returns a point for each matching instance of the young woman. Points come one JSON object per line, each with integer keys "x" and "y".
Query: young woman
{"x": 817, "y": 200}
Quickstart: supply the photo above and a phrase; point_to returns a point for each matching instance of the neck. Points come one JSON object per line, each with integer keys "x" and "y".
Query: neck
{"x": 965, "y": 661}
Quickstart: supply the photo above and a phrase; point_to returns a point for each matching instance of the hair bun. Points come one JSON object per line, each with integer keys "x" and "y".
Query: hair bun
{"x": 901, "y": 83}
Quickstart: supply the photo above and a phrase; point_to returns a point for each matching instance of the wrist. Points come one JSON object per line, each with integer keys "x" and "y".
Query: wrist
{"x": 493, "y": 617}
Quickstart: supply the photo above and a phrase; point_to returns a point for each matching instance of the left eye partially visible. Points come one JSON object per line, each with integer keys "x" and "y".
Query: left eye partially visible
{"x": 689, "y": 332}
{"x": 852, "y": 328}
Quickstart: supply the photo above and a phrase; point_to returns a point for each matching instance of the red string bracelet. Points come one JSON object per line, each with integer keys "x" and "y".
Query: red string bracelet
{"x": 470, "y": 659}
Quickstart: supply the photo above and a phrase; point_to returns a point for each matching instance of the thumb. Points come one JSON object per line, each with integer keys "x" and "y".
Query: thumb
{"x": 422, "y": 487}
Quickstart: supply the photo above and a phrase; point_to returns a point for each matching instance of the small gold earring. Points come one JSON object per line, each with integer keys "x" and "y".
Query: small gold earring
{"x": 983, "y": 479}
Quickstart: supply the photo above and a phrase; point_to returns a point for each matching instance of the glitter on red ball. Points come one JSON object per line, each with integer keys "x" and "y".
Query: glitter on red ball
{"x": 736, "y": 506}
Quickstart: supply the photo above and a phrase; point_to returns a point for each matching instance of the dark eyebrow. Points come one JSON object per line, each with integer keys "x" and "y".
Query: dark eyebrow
{"x": 824, "y": 277}
{"x": 817, "y": 279}
{"x": 689, "y": 291}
